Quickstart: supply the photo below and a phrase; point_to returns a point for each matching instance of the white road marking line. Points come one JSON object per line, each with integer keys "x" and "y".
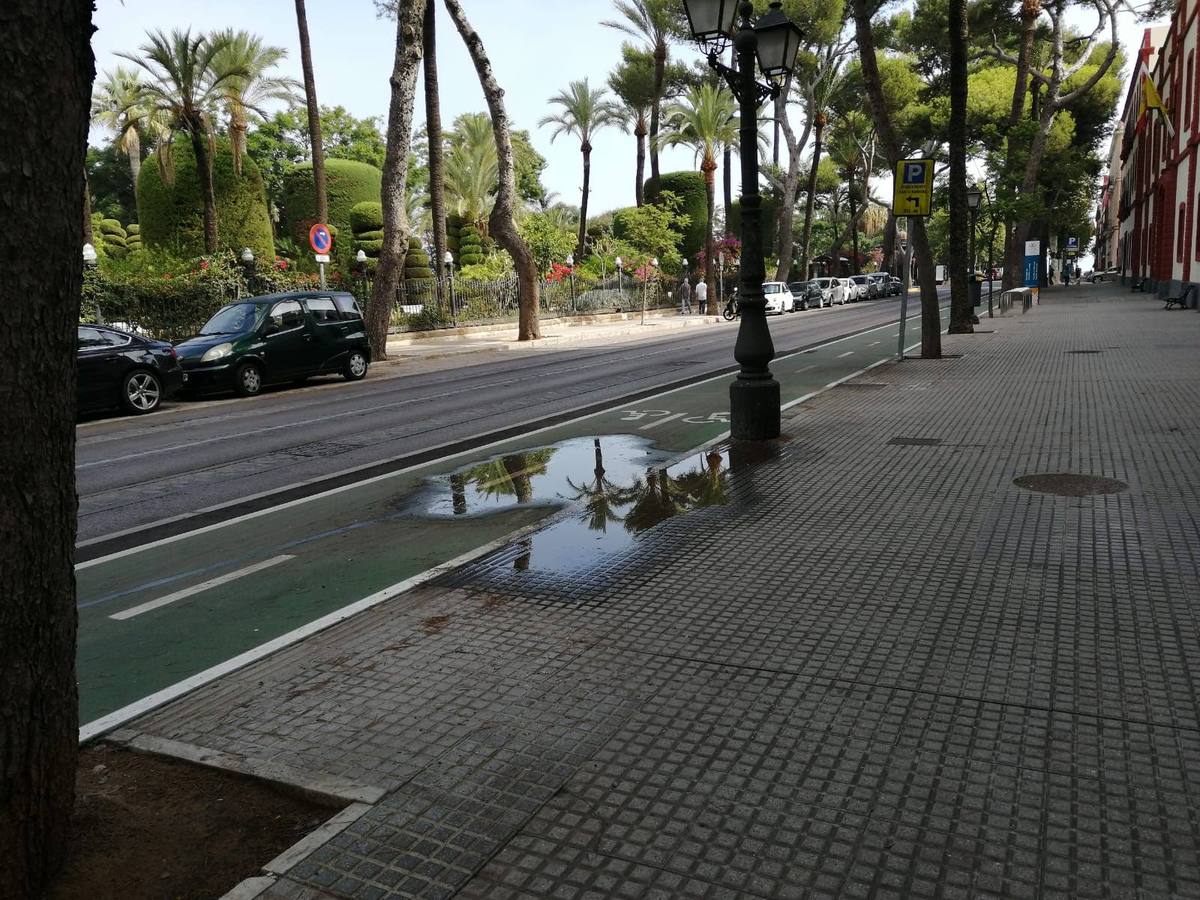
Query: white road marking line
{"x": 806, "y": 368}
{"x": 258, "y": 513}
{"x": 199, "y": 588}
{"x": 844, "y": 355}
{"x": 873, "y": 344}
{"x": 663, "y": 420}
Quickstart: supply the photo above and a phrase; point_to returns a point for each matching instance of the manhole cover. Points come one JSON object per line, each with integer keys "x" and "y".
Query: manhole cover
{"x": 915, "y": 442}
{"x": 1085, "y": 351}
{"x": 1068, "y": 484}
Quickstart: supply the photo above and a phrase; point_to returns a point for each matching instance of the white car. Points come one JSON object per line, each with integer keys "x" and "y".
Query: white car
{"x": 833, "y": 290}
{"x": 859, "y": 288}
{"x": 779, "y": 298}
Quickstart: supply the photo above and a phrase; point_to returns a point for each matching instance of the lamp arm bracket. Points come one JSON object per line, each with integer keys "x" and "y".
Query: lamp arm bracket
{"x": 762, "y": 92}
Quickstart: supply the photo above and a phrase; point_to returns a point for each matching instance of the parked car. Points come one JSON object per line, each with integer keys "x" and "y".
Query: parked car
{"x": 779, "y": 298}
{"x": 1111, "y": 274}
{"x": 119, "y": 369}
{"x": 834, "y": 290}
{"x": 895, "y": 287}
{"x": 859, "y": 288}
{"x": 879, "y": 283}
{"x": 280, "y": 337}
{"x": 806, "y": 294}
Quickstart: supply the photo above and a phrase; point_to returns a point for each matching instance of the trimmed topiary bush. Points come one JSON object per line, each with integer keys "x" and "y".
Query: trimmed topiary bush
{"x": 454, "y": 225}
{"x": 416, "y": 262}
{"x": 470, "y": 246}
{"x": 171, "y": 215}
{"x": 366, "y": 216}
{"x": 347, "y": 184}
{"x": 371, "y": 248}
{"x": 689, "y": 188}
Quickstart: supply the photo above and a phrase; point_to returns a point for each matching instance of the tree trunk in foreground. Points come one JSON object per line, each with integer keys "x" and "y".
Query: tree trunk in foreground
{"x": 133, "y": 146}
{"x": 501, "y": 224}
{"x": 960, "y": 217}
{"x": 660, "y": 75}
{"x": 709, "y": 169}
{"x": 1014, "y": 251}
{"x": 314, "y": 116}
{"x": 208, "y": 194}
{"x": 409, "y": 50}
{"x": 639, "y": 132}
{"x": 46, "y": 53}
{"x": 433, "y": 128}
{"x": 931, "y": 324}
{"x": 586, "y": 150}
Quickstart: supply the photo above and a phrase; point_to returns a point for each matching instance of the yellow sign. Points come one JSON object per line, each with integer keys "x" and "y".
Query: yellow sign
{"x": 912, "y": 192}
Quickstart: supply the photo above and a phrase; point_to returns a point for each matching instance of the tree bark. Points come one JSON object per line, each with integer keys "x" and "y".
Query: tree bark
{"x": 660, "y": 74}
{"x": 208, "y": 195}
{"x": 410, "y": 15}
{"x": 709, "y": 169}
{"x": 47, "y": 55}
{"x": 960, "y": 222}
{"x": 639, "y": 132}
{"x": 501, "y": 223}
{"x": 433, "y": 128}
{"x": 785, "y": 219}
{"x": 805, "y": 243}
{"x": 586, "y": 150}
{"x": 314, "y": 115}
{"x": 852, "y": 198}
{"x": 133, "y": 146}
{"x": 88, "y": 237}
{"x": 931, "y": 326}
{"x": 1014, "y": 250}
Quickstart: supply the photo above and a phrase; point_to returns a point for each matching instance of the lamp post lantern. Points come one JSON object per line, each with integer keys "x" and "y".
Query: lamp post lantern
{"x": 620, "y": 282}
{"x": 247, "y": 260}
{"x": 90, "y": 261}
{"x": 570, "y": 261}
{"x": 770, "y": 44}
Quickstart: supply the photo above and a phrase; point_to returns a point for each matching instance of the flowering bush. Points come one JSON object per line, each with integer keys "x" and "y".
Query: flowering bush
{"x": 558, "y": 272}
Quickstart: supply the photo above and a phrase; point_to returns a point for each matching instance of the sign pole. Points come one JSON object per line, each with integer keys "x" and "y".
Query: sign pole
{"x": 906, "y": 286}
{"x": 912, "y": 193}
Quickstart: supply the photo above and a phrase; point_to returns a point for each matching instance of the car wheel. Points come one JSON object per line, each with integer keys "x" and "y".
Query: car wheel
{"x": 248, "y": 380}
{"x": 141, "y": 392}
{"x": 1096, "y": 280}
{"x": 356, "y": 366}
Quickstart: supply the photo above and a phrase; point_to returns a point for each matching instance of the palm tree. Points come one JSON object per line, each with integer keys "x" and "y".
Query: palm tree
{"x": 633, "y": 82}
{"x": 119, "y": 103}
{"x": 186, "y": 86}
{"x": 851, "y": 147}
{"x": 650, "y": 21}
{"x": 242, "y": 94}
{"x": 584, "y": 112}
{"x": 433, "y": 128}
{"x": 471, "y": 168}
{"x": 704, "y": 120}
{"x": 314, "y": 115}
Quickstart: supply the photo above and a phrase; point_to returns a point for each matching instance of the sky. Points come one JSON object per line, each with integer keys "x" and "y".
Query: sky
{"x": 536, "y": 48}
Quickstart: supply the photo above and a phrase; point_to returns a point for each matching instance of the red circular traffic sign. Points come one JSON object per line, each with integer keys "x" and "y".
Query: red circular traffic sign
{"x": 319, "y": 238}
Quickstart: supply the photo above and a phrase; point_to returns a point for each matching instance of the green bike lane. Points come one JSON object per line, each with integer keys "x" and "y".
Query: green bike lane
{"x": 162, "y": 618}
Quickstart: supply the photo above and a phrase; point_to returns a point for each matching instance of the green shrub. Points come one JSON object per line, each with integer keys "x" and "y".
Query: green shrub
{"x": 689, "y": 188}
{"x": 768, "y": 220}
{"x": 416, "y": 262}
{"x": 371, "y": 248}
{"x": 112, "y": 227}
{"x": 375, "y": 234}
{"x": 347, "y": 184}
{"x": 172, "y": 215}
{"x": 366, "y": 216}
{"x": 135, "y": 228}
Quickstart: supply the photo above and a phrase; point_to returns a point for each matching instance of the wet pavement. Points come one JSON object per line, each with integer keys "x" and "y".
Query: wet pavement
{"x": 875, "y": 668}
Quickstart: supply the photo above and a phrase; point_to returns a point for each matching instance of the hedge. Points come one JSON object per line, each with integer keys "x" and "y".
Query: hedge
{"x": 416, "y": 262}
{"x": 366, "y": 216}
{"x": 348, "y": 184}
{"x": 768, "y": 220}
{"x": 689, "y": 188}
{"x": 171, "y": 216}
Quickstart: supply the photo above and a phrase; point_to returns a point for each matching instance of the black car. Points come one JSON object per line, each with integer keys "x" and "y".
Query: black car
{"x": 278, "y": 337}
{"x": 118, "y": 369}
{"x": 806, "y": 294}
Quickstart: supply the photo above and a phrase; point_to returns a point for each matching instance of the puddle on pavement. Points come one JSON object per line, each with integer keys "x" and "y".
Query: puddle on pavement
{"x": 611, "y": 489}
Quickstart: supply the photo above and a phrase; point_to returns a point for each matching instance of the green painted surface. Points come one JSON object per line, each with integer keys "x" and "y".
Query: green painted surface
{"x": 360, "y": 540}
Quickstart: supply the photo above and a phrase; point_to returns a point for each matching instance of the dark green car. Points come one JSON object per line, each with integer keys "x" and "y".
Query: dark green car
{"x": 279, "y": 337}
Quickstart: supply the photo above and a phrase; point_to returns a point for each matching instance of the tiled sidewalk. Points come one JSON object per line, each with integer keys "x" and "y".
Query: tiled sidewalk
{"x": 881, "y": 669}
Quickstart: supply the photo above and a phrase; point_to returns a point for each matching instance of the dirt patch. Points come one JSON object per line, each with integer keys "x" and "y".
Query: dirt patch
{"x": 147, "y": 827}
{"x": 434, "y": 624}
{"x": 1069, "y": 484}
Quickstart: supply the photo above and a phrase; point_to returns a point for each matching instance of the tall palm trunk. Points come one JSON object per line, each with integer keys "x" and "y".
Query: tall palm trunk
{"x": 727, "y": 162}
{"x": 133, "y": 147}
{"x": 48, "y": 59}
{"x": 852, "y": 198}
{"x": 208, "y": 195}
{"x": 639, "y": 132}
{"x": 88, "y": 237}
{"x": 806, "y": 249}
{"x": 433, "y": 127}
{"x": 386, "y": 287}
{"x": 314, "y": 115}
{"x": 960, "y": 223}
{"x": 660, "y": 74}
{"x": 237, "y": 135}
{"x": 709, "y": 168}
{"x": 501, "y": 223}
{"x": 586, "y": 149}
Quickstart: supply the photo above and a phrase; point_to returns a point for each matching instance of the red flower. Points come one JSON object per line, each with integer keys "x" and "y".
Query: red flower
{"x": 204, "y": 264}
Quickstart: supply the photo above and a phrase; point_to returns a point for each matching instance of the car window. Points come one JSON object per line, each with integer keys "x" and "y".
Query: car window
{"x": 322, "y": 309}
{"x": 238, "y": 318}
{"x": 89, "y": 339}
{"x": 349, "y": 307}
{"x": 287, "y": 314}
{"x": 770, "y": 289}
{"x": 114, "y": 338}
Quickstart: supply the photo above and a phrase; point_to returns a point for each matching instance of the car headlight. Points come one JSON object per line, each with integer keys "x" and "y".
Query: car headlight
{"x": 212, "y": 354}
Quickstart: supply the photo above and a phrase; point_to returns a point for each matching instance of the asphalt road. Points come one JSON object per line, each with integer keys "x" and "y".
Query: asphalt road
{"x": 194, "y": 455}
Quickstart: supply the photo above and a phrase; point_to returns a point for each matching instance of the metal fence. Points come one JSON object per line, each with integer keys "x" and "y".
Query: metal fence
{"x": 446, "y": 303}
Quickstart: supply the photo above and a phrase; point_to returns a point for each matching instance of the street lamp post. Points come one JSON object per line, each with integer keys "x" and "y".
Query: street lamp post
{"x": 571, "y": 265}
{"x": 620, "y": 281}
{"x": 448, "y": 261}
{"x": 771, "y": 43}
{"x": 90, "y": 261}
{"x": 646, "y": 284}
{"x": 247, "y": 258}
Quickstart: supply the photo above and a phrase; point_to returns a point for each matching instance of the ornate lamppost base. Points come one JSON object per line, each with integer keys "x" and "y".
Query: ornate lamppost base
{"x": 754, "y": 409}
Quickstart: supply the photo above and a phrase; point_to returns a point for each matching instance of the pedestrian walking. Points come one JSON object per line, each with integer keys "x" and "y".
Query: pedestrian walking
{"x": 1051, "y": 275}
{"x": 685, "y": 298}
{"x": 701, "y": 296}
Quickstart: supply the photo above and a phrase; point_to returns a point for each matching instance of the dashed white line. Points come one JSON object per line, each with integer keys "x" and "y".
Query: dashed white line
{"x": 663, "y": 421}
{"x": 844, "y": 355}
{"x": 199, "y": 588}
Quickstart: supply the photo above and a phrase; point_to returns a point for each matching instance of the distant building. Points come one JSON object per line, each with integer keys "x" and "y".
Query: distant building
{"x": 1108, "y": 221}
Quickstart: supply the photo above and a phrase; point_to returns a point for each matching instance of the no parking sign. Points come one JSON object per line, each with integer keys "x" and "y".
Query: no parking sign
{"x": 320, "y": 239}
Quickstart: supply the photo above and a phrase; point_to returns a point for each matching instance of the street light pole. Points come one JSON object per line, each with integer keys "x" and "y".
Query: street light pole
{"x": 571, "y": 265}
{"x": 770, "y": 44}
{"x": 620, "y": 282}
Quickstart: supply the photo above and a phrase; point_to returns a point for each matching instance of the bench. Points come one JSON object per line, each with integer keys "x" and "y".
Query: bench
{"x": 1182, "y": 300}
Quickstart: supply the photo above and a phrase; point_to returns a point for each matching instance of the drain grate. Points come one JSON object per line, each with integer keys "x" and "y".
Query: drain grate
{"x": 1070, "y": 484}
{"x": 914, "y": 442}
{"x": 1084, "y": 351}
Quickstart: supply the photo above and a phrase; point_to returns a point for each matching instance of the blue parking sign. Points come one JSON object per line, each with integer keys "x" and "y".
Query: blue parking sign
{"x": 914, "y": 173}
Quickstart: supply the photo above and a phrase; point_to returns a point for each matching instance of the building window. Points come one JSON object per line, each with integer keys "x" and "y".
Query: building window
{"x": 1182, "y": 232}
